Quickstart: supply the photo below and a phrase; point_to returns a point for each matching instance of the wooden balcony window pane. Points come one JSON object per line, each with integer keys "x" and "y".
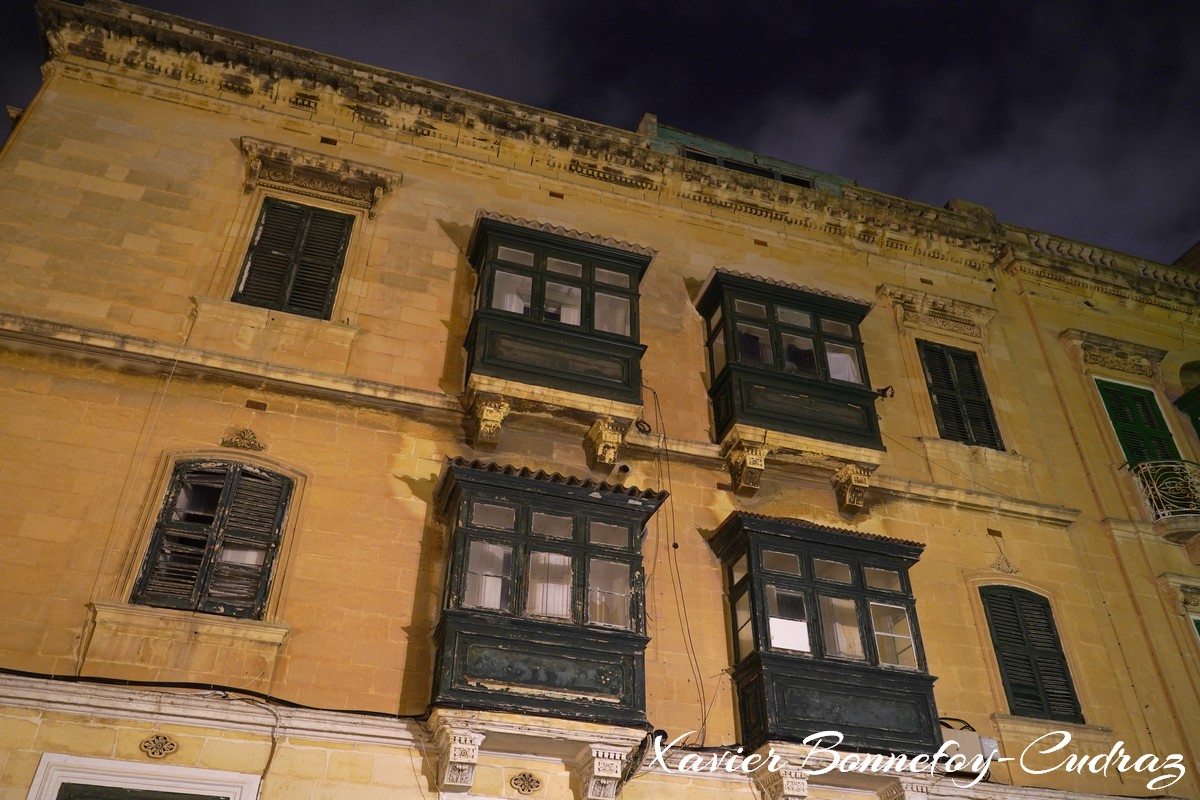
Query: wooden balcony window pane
{"x": 612, "y": 278}
{"x": 512, "y": 292}
{"x": 839, "y": 624}
{"x": 486, "y": 515}
{"x": 744, "y": 630}
{"x": 882, "y": 579}
{"x": 790, "y": 316}
{"x": 754, "y": 345}
{"x": 843, "y": 363}
{"x": 831, "y": 570}
{"x": 608, "y": 593}
{"x": 489, "y": 576}
{"x": 612, "y": 314}
{"x": 787, "y": 620}
{"x": 787, "y": 563}
{"x": 893, "y": 635}
{"x": 564, "y": 267}
{"x": 836, "y": 328}
{"x": 552, "y": 525}
{"x": 563, "y": 303}
{"x": 550, "y": 579}
{"x": 799, "y": 354}
{"x": 605, "y": 533}
{"x": 512, "y": 254}
{"x": 747, "y": 309}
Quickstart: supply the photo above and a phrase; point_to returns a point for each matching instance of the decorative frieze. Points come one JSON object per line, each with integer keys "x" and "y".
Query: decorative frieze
{"x": 904, "y": 790}
{"x": 486, "y": 415}
{"x": 937, "y": 314}
{"x": 598, "y": 771}
{"x": 245, "y": 439}
{"x": 603, "y": 442}
{"x": 746, "y": 461}
{"x": 458, "y": 754}
{"x": 785, "y": 783}
{"x": 1102, "y": 351}
{"x": 307, "y": 172}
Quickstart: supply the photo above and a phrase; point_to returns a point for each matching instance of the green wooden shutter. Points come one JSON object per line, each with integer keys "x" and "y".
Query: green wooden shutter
{"x": 295, "y": 259}
{"x": 216, "y": 539}
{"x": 959, "y": 397}
{"x": 1138, "y": 422}
{"x": 1032, "y": 665}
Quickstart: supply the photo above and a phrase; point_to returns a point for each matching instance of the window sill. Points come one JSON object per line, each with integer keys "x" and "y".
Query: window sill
{"x": 163, "y": 644}
{"x": 223, "y": 326}
{"x": 1007, "y": 473}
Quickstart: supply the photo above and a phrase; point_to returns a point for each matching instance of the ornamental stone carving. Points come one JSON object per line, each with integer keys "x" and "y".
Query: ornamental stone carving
{"x": 487, "y": 414}
{"x": 318, "y": 174}
{"x": 786, "y": 783}
{"x": 850, "y": 483}
{"x": 1102, "y": 351}
{"x": 158, "y": 746}
{"x": 746, "y": 461}
{"x": 458, "y": 754}
{"x": 245, "y": 439}
{"x": 603, "y": 441}
{"x": 598, "y": 771}
{"x": 930, "y": 312}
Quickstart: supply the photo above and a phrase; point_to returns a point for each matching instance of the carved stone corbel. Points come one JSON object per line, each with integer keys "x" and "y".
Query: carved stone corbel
{"x": 603, "y": 441}
{"x": 598, "y": 771}
{"x": 904, "y": 790}
{"x": 458, "y": 753}
{"x": 786, "y": 783}
{"x": 487, "y": 415}
{"x": 746, "y": 460}
{"x": 850, "y": 483}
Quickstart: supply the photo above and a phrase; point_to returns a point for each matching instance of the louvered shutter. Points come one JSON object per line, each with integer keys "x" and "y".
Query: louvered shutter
{"x": 248, "y": 536}
{"x": 959, "y": 397}
{"x": 295, "y": 259}
{"x": 180, "y": 548}
{"x": 216, "y": 539}
{"x": 1032, "y": 665}
{"x": 1138, "y": 422}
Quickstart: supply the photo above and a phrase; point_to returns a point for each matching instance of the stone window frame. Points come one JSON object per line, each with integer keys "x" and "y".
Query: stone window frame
{"x": 56, "y": 769}
{"x": 975, "y": 424}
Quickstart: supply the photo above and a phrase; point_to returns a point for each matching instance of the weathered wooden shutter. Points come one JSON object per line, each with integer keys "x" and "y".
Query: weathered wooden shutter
{"x": 248, "y": 534}
{"x": 1032, "y": 665}
{"x": 295, "y": 259}
{"x": 960, "y": 399}
{"x": 216, "y": 539}
{"x": 1138, "y": 422}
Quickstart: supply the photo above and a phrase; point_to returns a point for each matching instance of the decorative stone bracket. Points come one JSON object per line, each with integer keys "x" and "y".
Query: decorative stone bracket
{"x": 598, "y": 771}
{"x": 458, "y": 754}
{"x": 786, "y": 783}
{"x": 603, "y": 441}
{"x": 1115, "y": 354}
{"x": 486, "y": 415}
{"x": 904, "y": 790}
{"x": 316, "y": 174}
{"x": 931, "y": 312}
{"x": 746, "y": 461}
{"x": 850, "y": 483}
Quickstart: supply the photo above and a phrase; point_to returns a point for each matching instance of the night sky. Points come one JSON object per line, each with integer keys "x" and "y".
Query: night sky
{"x": 1077, "y": 118}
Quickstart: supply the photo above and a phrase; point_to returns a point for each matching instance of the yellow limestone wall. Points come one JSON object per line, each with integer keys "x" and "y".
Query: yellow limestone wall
{"x": 123, "y": 213}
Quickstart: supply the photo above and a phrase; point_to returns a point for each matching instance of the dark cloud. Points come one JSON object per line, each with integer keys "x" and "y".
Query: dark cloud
{"x": 1075, "y": 117}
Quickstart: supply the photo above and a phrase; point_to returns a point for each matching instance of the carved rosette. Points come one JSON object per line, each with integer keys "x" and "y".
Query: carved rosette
{"x": 458, "y": 753}
{"x": 158, "y": 746}
{"x": 746, "y": 461}
{"x": 786, "y": 783}
{"x": 487, "y": 414}
{"x": 1114, "y": 354}
{"x": 603, "y": 441}
{"x": 850, "y": 483}
{"x": 598, "y": 772}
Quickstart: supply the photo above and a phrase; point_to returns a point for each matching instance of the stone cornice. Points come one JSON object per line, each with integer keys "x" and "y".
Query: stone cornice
{"x": 316, "y": 174}
{"x": 930, "y": 312}
{"x": 1114, "y": 354}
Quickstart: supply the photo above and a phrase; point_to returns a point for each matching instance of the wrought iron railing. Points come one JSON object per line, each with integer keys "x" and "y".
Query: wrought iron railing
{"x": 1171, "y": 488}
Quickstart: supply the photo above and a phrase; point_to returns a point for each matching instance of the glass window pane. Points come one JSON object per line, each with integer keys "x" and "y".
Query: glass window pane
{"x": 563, "y": 303}
{"x": 199, "y": 495}
{"x": 893, "y": 635}
{"x": 836, "y": 328}
{"x": 753, "y": 344}
{"x": 515, "y": 256}
{"x": 549, "y": 586}
{"x": 612, "y": 278}
{"x": 512, "y": 292}
{"x": 553, "y": 525}
{"x": 831, "y": 570}
{"x": 718, "y": 352}
{"x": 799, "y": 354}
{"x": 882, "y": 578}
{"x": 612, "y": 314}
{"x": 714, "y": 321}
{"x": 248, "y": 554}
{"x": 745, "y": 308}
{"x": 486, "y": 515}
{"x": 743, "y": 637}
{"x": 604, "y": 533}
{"x": 843, "y": 363}
{"x": 564, "y": 267}
{"x": 788, "y": 563}
{"x": 790, "y": 316}
{"x": 788, "y": 625}
{"x": 839, "y": 625}
{"x": 738, "y": 570}
{"x": 608, "y": 593}
{"x": 489, "y": 576}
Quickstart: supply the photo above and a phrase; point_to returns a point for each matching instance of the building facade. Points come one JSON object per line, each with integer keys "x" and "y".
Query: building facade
{"x": 364, "y": 437}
